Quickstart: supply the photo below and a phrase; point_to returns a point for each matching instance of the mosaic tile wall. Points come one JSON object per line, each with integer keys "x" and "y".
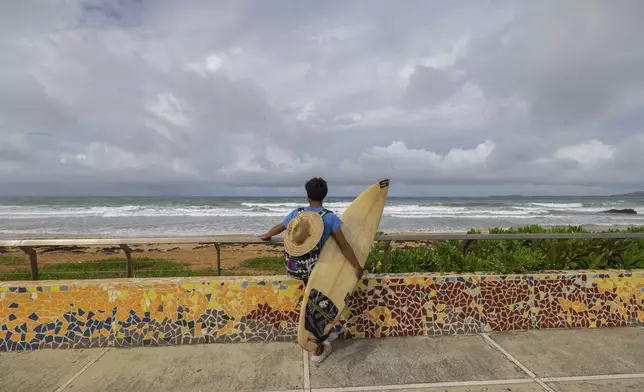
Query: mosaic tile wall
{"x": 139, "y": 312}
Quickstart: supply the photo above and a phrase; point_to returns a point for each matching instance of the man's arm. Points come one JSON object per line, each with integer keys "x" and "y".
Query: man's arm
{"x": 275, "y": 230}
{"x": 278, "y": 228}
{"x": 347, "y": 251}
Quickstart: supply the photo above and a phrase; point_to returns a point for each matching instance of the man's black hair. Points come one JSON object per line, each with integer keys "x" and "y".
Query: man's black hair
{"x": 316, "y": 189}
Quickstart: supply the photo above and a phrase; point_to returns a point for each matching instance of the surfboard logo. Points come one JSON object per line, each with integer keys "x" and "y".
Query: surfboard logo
{"x": 384, "y": 183}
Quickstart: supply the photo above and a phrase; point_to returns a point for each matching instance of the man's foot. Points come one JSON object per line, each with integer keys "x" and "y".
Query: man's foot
{"x": 326, "y": 351}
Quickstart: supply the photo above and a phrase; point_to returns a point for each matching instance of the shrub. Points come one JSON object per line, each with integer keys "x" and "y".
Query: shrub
{"x": 515, "y": 256}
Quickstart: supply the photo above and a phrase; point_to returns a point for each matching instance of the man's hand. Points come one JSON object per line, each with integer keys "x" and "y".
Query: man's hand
{"x": 275, "y": 230}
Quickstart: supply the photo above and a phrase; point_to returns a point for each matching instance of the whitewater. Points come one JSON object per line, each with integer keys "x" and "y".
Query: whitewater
{"x": 131, "y": 216}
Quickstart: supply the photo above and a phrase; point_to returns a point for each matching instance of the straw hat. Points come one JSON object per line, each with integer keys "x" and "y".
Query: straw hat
{"x": 303, "y": 233}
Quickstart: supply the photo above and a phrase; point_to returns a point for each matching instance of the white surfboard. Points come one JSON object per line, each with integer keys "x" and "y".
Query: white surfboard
{"x": 333, "y": 278}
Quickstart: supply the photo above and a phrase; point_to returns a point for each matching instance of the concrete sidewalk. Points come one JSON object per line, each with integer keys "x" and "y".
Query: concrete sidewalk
{"x": 548, "y": 360}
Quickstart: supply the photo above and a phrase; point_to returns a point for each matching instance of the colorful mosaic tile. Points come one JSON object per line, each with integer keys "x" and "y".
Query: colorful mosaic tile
{"x": 385, "y": 307}
{"x": 588, "y": 300}
{"x": 146, "y": 312}
{"x": 453, "y": 306}
{"x": 507, "y": 304}
{"x": 140, "y": 312}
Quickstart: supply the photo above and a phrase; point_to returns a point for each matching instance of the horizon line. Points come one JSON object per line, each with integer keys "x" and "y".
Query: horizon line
{"x": 637, "y": 193}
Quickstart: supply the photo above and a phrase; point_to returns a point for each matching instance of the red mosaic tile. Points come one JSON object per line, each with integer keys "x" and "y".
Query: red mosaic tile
{"x": 561, "y": 303}
{"x": 507, "y": 305}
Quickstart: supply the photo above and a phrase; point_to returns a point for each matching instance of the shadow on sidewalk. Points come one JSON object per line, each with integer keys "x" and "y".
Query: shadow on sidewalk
{"x": 350, "y": 350}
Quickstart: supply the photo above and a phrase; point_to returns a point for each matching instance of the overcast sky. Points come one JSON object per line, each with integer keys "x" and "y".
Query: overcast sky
{"x": 254, "y": 97}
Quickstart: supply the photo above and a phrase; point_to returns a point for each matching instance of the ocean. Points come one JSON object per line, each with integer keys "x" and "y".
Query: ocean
{"x": 30, "y": 217}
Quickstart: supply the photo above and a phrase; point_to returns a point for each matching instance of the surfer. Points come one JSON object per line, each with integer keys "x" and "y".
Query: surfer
{"x": 308, "y": 228}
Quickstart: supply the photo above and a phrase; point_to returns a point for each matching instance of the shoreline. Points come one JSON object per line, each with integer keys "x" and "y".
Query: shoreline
{"x": 483, "y": 230}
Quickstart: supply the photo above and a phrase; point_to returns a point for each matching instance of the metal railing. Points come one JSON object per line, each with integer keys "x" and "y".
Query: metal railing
{"x": 29, "y": 246}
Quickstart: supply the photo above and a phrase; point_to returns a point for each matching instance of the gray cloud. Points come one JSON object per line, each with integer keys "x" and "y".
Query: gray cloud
{"x": 428, "y": 87}
{"x": 572, "y": 64}
{"x": 205, "y": 97}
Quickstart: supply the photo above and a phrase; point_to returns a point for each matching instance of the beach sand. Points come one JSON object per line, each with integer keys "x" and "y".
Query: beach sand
{"x": 193, "y": 256}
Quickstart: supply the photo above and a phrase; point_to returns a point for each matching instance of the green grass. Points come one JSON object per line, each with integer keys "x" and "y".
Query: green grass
{"x": 13, "y": 260}
{"x": 274, "y": 264}
{"x": 18, "y": 274}
{"x": 141, "y": 268}
{"x": 106, "y": 269}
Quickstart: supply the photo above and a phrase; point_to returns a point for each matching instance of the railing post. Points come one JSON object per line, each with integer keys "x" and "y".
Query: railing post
{"x": 33, "y": 260}
{"x": 535, "y": 244}
{"x": 464, "y": 245}
{"x": 218, "y": 259}
{"x": 128, "y": 259}
{"x": 385, "y": 257}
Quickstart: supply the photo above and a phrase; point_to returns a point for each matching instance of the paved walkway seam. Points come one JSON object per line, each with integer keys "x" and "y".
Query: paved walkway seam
{"x": 281, "y": 390}
{"x": 516, "y": 362}
{"x": 306, "y": 369}
{"x": 455, "y": 384}
{"x": 426, "y": 386}
{"x": 628, "y": 376}
{"x": 82, "y": 370}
